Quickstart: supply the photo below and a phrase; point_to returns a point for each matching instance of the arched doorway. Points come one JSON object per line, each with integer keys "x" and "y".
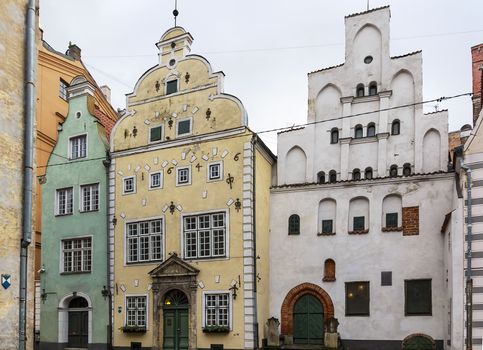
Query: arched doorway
{"x": 308, "y": 320}
{"x": 78, "y": 324}
{"x": 175, "y": 320}
{"x": 418, "y": 342}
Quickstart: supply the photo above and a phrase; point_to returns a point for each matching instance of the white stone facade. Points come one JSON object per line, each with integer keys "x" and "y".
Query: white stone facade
{"x": 368, "y": 173}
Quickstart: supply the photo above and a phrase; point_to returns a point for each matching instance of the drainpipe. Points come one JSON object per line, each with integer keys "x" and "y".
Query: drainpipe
{"x": 254, "y": 207}
{"x": 29, "y": 115}
{"x": 107, "y": 165}
{"x": 469, "y": 280}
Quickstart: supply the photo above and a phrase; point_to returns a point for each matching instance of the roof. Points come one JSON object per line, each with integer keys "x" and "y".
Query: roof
{"x": 368, "y": 11}
{"x": 290, "y": 130}
{"x": 436, "y": 112}
{"x": 320, "y": 70}
{"x": 407, "y": 54}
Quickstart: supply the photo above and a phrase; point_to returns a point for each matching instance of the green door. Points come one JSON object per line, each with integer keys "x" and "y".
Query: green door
{"x": 308, "y": 321}
{"x": 175, "y": 324}
{"x": 78, "y": 329}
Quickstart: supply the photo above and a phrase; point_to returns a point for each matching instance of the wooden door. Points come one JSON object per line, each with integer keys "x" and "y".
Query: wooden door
{"x": 78, "y": 329}
{"x": 308, "y": 321}
{"x": 175, "y": 329}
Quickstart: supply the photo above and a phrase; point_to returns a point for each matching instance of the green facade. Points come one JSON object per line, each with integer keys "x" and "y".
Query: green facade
{"x": 66, "y": 319}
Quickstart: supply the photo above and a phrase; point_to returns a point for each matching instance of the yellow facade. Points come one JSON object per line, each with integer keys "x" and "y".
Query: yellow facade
{"x": 217, "y": 135}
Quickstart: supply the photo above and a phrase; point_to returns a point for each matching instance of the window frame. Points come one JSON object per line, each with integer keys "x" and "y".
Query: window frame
{"x": 334, "y": 131}
{"x": 372, "y": 88}
{"x": 171, "y": 79}
{"x": 56, "y": 204}
{"x": 354, "y": 223}
{"x": 367, "y": 171}
{"x": 127, "y": 259}
{"x": 358, "y": 128}
{"x": 187, "y": 183}
{"x": 386, "y": 220}
{"x": 220, "y": 171}
{"x": 146, "y": 310}
{"x": 190, "y": 119}
{"x": 332, "y": 173}
{"x": 293, "y": 231}
{"x": 63, "y": 86}
{"x": 407, "y": 167}
{"x": 321, "y": 177}
{"x": 331, "y": 226}
{"x": 360, "y": 87}
{"x": 356, "y": 174}
{"x": 81, "y": 198}
{"x": 205, "y": 308}
{"x": 430, "y": 312}
{"x": 161, "y": 180}
{"x": 392, "y": 168}
{"x": 82, "y": 249}
{"x": 70, "y": 148}
{"x": 124, "y": 192}
{"x": 393, "y": 124}
{"x": 346, "y": 296}
{"x": 369, "y": 127}
{"x": 161, "y": 136}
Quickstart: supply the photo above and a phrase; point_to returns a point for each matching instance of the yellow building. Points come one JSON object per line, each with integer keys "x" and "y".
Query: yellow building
{"x": 189, "y": 196}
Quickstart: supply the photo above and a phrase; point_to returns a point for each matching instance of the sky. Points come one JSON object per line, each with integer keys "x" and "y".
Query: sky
{"x": 267, "y": 47}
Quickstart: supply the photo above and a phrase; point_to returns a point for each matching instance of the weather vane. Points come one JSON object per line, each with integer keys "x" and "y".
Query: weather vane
{"x": 175, "y": 11}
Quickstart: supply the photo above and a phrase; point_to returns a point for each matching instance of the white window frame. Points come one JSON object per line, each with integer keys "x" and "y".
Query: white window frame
{"x": 230, "y": 306}
{"x": 161, "y": 180}
{"x": 171, "y": 78}
{"x": 146, "y": 311}
{"x": 211, "y": 257}
{"x": 188, "y": 167}
{"x": 81, "y": 198}
{"x": 61, "y": 260}
{"x": 56, "y": 204}
{"x": 63, "y": 93}
{"x": 70, "y": 146}
{"x": 208, "y": 173}
{"x": 163, "y": 242}
{"x": 124, "y": 185}
{"x": 182, "y": 120}
{"x": 162, "y": 133}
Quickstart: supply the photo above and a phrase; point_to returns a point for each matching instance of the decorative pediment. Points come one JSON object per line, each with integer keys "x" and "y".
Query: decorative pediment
{"x": 174, "y": 266}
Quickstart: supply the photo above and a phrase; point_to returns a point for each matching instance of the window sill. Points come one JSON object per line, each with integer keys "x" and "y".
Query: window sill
{"x": 63, "y": 214}
{"x": 134, "y": 263}
{"x": 325, "y": 233}
{"x": 88, "y": 211}
{"x": 216, "y": 329}
{"x": 365, "y": 139}
{"x": 358, "y": 232}
{"x": 208, "y": 258}
{"x": 74, "y": 272}
{"x": 133, "y": 329}
{"x": 392, "y": 229}
{"x": 328, "y": 279}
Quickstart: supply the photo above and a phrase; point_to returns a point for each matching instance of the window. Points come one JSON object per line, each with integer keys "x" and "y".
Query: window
{"x": 417, "y": 297}
{"x": 395, "y": 127}
{"x": 156, "y": 133}
{"x": 217, "y": 310}
{"x": 357, "y": 299}
{"x": 156, "y": 180}
{"x": 129, "y": 185}
{"x": 329, "y": 270}
{"x": 359, "y": 223}
{"x": 144, "y": 241}
{"x": 327, "y": 217}
{"x": 406, "y": 169}
{"x": 320, "y": 177}
{"x": 391, "y": 220}
{"x": 358, "y": 131}
{"x": 183, "y": 176}
{"x": 373, "y": 88}
{"x": 204, "y": 236}
{"x": 327, "y": 226}
{"x": 332, "y": 176}
{"x": 77, "y": 255}
{"x": 78, "y": 147}
{"x": 64, "y": 201}
{"x": 215, "y": 171}
{"x": 386, "y": 278}
{"x": 63, "y": 89}
{"x": 294, "y": 224}
{"x": 367, "y": 59}
{"x": 171, "y": 86}
{"x": 89, "y": 197}
{"x": 183, "y": 127}
{"x": 393, "y": 171}
{"x": 136, "y": 311}
{"x": 360, "y": 90}
{"x": 368, "y": 173}
{"x": 356, "y": 174}
{"x": 371, "y": 129}
{"x": 334, "y": 135}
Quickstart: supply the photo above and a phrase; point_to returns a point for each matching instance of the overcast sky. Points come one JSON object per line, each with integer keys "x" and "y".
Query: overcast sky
{"x": 266, "y": 47}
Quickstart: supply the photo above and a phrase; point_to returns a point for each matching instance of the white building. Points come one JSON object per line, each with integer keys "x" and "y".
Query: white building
{"x": 358, "y": 204}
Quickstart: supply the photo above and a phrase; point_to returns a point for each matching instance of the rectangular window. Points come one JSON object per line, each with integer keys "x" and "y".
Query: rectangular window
{"x": 217, "y": 310}
{"x": 204, "y": 236}
{"x": 357, "y": 299}
{"x": 183, "y": 176}
{"x": 77, "y": 255}
{"x": 144, "y": 241}
{"x": 358, "y": 223}
{"x": 129, "y": 185}
{"x": 89, "y": 197}
{"x": 327, "y": 226}
{"x": 136, "y": 311}
{"x": 155, "y": 134}
{"x": 215, "y": 171}
{"x": 171, "y": 87}
{"x": 391, "y": 220}
{"x": 63, "y": 89}
{"x": 417, "y": 297}
{"x": 183, "y": 127}
{"x": 78, "y": 147}
{"x": 64, "y": 201}
{"x": 386, "y": 278}
{"x": 156, "y": 180}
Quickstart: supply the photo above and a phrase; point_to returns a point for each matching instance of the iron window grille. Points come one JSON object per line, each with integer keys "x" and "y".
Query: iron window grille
{"x": 204, "y": 236}
{"x": 359, "y": 223}
{"x": 64, "y": 201}
{"x": 78, "y": 147}
{"x": 217, "y": 310}
{"x": 357, "y": 299}
{"x": 136, "y": 311}
{"x": 144, "y": 241}
{"x": 89, "y": 197}
{"x": 417, "y": 297}
{"x": 77, "y": 255}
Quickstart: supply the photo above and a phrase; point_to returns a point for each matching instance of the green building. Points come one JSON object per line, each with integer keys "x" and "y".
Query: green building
{"x": 75, "y": 307}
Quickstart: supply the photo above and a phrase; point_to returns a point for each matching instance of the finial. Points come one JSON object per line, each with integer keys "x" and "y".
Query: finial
{"x": 175, "y": 11}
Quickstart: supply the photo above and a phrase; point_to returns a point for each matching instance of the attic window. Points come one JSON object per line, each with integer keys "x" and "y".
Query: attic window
{"x": 368, "y": 59}
{"x": 172, "y": 86}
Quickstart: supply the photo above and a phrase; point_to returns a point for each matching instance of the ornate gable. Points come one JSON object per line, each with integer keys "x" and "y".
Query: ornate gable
{"x": 174, "y": 266}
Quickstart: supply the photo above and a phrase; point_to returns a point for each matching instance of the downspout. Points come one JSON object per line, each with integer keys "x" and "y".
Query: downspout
{"x": 107, "y": 165}
{"x": 469, "y": 280}
{"x": 255, "y": 274}
{"x": 29, "y": 115}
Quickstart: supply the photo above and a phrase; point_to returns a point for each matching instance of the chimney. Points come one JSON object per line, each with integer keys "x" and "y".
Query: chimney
{"x": 106, "y": 91}
{"x": 74, "y": 51}
{"x": 477, "y": 71}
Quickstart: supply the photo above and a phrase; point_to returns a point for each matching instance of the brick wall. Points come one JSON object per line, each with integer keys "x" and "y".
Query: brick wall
{"x": 477, "y": 62}
{"x": 410, "y": 221}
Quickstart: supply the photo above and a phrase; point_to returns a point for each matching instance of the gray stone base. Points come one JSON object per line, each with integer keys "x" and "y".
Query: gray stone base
{"x": 62, "y": 346}
{"x": 379, "y": 344}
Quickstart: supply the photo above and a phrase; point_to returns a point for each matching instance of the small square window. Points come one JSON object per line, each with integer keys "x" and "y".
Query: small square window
{"x": 171, "y": 87}
{"x": 357, "y": 299}
{"x": 156, "y": 180}
{"x": 184, "y": 127}
{"x": 391, "y": 220}
{"x": 417, "y": 297}
{"x": 155, "y": 134}
{"x": 215, "y": 171}
{"x": 129, "y": 185}
{"x": 183, "y": 176}
{"x": 386, "y": 278}
{"x": 359, "y": 223}
{"x": 327, "y": 226}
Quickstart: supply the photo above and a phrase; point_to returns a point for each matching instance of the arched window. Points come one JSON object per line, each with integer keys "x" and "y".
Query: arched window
{"x": 327, "y": 214}
{"x": 360, "y": 90}
{"x": 406, "y": 169}
{"x": 358, "y": 215}
{"x": 356, "y": 174}
{"x": 373, "y": 88}
{"x": 396, "y": 127}
{"x": 294, "y": 224}
{"x": 392, "y": 213}
{"x": 393, "y": 170}
{"x": 334, "y": 135}
{"x": 371, "y": 129}
{"x": 329, "y": 270}
{"x": 332, "y": 176}
{"x": 368, "y": 173}
{"x": 320, "y": 177}
{"x": 358, "y": 131}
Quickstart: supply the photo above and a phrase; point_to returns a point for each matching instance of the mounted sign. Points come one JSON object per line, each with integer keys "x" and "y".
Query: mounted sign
{"x": 5, "y": 281}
